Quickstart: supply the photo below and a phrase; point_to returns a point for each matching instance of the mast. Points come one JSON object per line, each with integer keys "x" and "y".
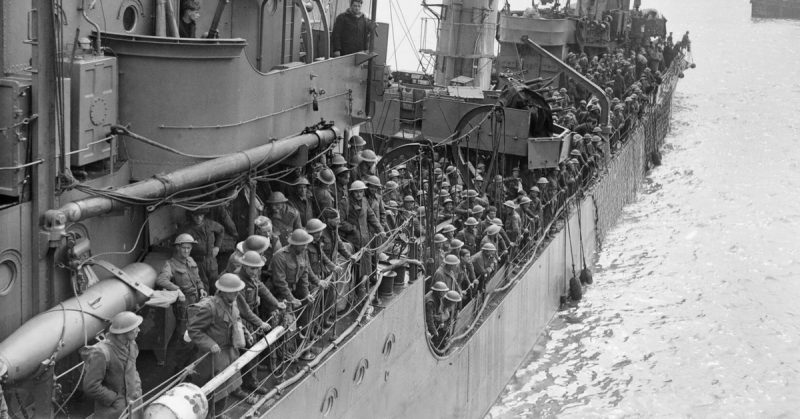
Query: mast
{"x": 466, "y": 41}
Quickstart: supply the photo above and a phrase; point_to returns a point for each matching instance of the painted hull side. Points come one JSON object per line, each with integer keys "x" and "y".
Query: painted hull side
{"x": 410, "y": 382}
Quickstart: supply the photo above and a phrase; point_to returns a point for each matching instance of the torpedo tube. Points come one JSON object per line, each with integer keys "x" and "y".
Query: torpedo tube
{"x": 68, "y": 326}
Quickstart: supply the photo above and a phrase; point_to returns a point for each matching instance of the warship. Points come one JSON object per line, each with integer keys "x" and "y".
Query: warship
{"x": 776, "y": 9}
{"x": 114, "y": 128}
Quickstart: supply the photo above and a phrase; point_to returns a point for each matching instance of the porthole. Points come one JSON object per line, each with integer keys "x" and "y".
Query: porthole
{"x": 9, "y": 270}
{"x": 129, "y": 18}
{"x": 388, "y": 344}
{"x": 327, "y": 402}
{"x": 361, "y": 371}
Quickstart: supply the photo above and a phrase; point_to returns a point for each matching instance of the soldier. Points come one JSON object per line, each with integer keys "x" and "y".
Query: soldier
{"x": 256, "y": 242}
{"x": 365, "y": 166}
{"x": 357, "y": 144}
{"x": 469, "y": 235}
{"x": 391, "y": 192}
{"x": 323, "y": 190}
{"x": 342, "y": 197}
{"x": 484, "y": 263}
{"x": 110, "y": 376}
{"x": 299, "y": 199}
{"x": 293, "y": 279}
{"x": 254, "y": 298}
{"x": 513, "y": 220}
{"x": 212, "y": 326}
{"x": 447, "y": 323}
{"x": 336, "y": 251}
{"x": 285, "y": 219}
{"x": 357, "y": 227}
{"x": 409, "y": 214}
{"x": 180, "y": 273}
{"x": 434, "y": 306}
{"x": 209, "y": 235}
{"x": 322, "y": 266}
{"x": 469, "y": 282}
{"x": 448, "y": 273}
{"x": 375, "y": 199}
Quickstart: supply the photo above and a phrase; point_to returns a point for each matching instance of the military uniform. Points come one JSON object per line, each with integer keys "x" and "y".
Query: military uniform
{"x": 212, "y": 322}
{"x": 110, "y": 376}
{"x": 433, "y": 312}
{"x": 291, "y": 274}
{"x": 182, "y": 275}
{"x": 450, "y": 278}
{"x": 208, "y": 235}
{"x": 470, "y": 239}
{"x": 285, "y": 221}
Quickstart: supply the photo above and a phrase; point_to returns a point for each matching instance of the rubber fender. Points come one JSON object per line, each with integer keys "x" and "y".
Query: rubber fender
{"x": 655, "y": 157}
{"x": 575, "y": 289}
{"x": 586, "y": 276}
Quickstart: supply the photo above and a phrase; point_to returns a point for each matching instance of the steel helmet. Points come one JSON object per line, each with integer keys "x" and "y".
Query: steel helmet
{"x": 301, "y": 181}
{"x": 448, "y": 228}
{"x": 368, "y": 156}
{"x": 493, "y": 229}
{"x": 184, "y": 238}
{"x": 300, "y": 237}
{"x": 338, "y": 160}
{"x": 451, "y": 260}
{"x": 357, "y": 186}
{"x": 341, "y": 169}
{"x": 229, "y": 283}
{"x": 439, "y": 238}
{"x": 373, "y": 181}
{"x": 596, "y": 139}
{"x": 478, "y": 178}
{"x": 577, "y": 137}
{"x": 256, "y": 243}
{"x": 390, "y": 185}
{"x": 477, "y": 209}
{"x": 276, "y": 198}
{"x": 472, "y": 193}
{"x": 445, "y": 185}
{"x": 575, "y": 153}
{"x": 391, "y": 204}
{"x": 394, "y": 173}
{"x": 450, "y": 170}
{"x": 542, "y": 181}
{"x": 443, "y": 194}
{"x": 437, "y": 171}
{"x": 401, "y": 166}
{"x": 447, "y": 201}
{"x": 252, "y": 259}
{"x": 535, "y": 189}
{"x": 489, "y": 246}
{"x": 471, "y": 221}
{"x": 496, "y": 221}
{"x": 510, "y": 204}
{"x": 124, "y": 322}
{"x": 524, "y": 200}
{"x": 326, "y": 176}
{"x": 314, "y": 225}
{"x": 409, "y": 198}
{"x": 439, "y": 286}
{"x": 456, "y": 244}
{"x": 357, "y": 141}
{"x": 453, "y": 296}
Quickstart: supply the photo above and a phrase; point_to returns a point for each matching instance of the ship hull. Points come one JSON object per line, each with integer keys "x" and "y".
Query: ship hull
{"x": 776, "y": 9}
{"x": 410, "y": 381}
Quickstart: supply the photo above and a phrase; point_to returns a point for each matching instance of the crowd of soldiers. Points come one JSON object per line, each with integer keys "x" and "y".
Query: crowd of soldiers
{"x": 630, "y": 78}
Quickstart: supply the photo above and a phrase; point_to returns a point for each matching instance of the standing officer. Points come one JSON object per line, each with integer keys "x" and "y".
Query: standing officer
{"x": 110, "y": 376}
{"x": 209, "y": 235}
{"x": 434, "y": 306}
{"x": 285, "y": 218}
{"x": 180, "y": 273}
